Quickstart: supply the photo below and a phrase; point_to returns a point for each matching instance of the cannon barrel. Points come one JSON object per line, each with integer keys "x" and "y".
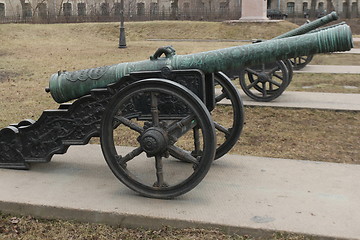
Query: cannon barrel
{"x": 307, "y": 27}
{"x": 324, "y": 28}
{"x": 65, "y": 86}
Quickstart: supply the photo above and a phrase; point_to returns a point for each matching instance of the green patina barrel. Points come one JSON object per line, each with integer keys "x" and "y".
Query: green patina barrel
{"x": 307, "y": 27}
{"x": 66, "y": 86}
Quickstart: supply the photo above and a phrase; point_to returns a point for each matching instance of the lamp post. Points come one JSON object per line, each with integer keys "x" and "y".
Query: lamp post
{"x": 122, "y": 38}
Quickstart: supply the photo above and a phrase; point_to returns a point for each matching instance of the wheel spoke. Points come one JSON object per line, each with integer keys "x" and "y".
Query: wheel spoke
{"x": 249, "y": 70}
{"x": 274, "y": 82}
{"x": 222, "y": 128}
{"x": 220, "y": 97}
{"x": 278, "y": 76}
{"x": 271, "y": 86}
{"x": 182, "y": 154}
{"x": 264, "y": 89}
{"x": 179, "y": 128}
{"x": 129, "y": 124}
{"x": 154, "y": 109}
{"x": 122, "y": 160}
{"x": 252, "y": 84}
{"x": 273, "y": 70}
{"x": 159, "y": 173}
{"x": 196, "y": 141}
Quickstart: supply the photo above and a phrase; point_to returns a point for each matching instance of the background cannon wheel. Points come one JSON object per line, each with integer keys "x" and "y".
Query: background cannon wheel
{"x": 165, "y": 123}
{"x": 265, "y": 82}
{"x": 290, "y": 69}
{"x": 227, "y": 132}
{"x": 300, "y": 62}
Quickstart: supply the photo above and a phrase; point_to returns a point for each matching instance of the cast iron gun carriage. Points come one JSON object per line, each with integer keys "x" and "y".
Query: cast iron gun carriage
{"x": 162, "y": 107}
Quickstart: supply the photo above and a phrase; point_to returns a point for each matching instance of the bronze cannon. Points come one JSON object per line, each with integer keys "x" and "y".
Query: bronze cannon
{"x": 267, "y": 81}
{"x": 162, "y": 109}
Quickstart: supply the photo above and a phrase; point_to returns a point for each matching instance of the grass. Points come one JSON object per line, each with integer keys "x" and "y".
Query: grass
{"x": 201, "y": 30}
{"x": 29, "y": 228}
{"x": 318, "y": 135}
{"x": 29, "y": 54}
{"x": 336, "y": 59}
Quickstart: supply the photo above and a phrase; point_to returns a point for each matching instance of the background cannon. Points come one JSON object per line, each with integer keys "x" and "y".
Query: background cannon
{"x": 161, "y": 106}
{"x": 273, "y": 78}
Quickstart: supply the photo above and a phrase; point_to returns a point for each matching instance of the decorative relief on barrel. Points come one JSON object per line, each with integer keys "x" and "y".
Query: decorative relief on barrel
{"x": 83, "y": 75}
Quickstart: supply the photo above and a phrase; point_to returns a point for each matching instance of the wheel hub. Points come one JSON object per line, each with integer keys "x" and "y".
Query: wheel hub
{"x": 263, "y": 77}
{"x": 154, "y": 141}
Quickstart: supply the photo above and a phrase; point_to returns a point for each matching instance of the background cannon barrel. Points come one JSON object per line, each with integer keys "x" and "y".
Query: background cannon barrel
{"x": 307, "y": 27}
{"x": 65, "y": 86}
{"x": 324, "y": 28}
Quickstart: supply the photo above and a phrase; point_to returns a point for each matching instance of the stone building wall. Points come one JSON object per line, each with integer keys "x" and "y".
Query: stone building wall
{"x": 346, "y": 8}
{"x": 167, "y": 9}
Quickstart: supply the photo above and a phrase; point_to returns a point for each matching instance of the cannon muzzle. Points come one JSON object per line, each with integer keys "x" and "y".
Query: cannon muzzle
{"x": 65, "y": 86}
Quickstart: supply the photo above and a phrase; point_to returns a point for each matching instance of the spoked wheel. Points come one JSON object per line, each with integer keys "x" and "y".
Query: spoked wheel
{"x": 300, "y": 62}
{"x": 228, "y": 120}
{"x": 290, "y": 69}
{"x": 164, "y": 122}
{"x": 265, "y": 82}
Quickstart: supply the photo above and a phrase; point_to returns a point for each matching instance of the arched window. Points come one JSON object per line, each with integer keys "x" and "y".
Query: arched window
{"x": 105, "y": 9}
{"x": 140, "y": 9}
{"x": 346, "y": 11}
{"x": 354, "y": 10}
{"x": 305, "y": 7}
{"x": 81, "y": 9}
{"x": 186, "y": 10}
{"x": 200, "y": 5}
{"x": 306, "y": 10}
{"x": 186, "y": 6}
{"x": 2, "y": 10}
{"x": 42, "y": 10}
{"x": 117, "y": 9}
{"x": 154, "y": 8}
{"x": 290, "y": 7}
{"x": 174, "y": 9}
{"x": 27, "y": 10}
{"x": 67, "y": 9}
{"x": 224, "y": 7}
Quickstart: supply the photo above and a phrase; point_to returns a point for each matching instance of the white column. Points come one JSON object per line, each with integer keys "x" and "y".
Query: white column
{"x": 253, "y": 10}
